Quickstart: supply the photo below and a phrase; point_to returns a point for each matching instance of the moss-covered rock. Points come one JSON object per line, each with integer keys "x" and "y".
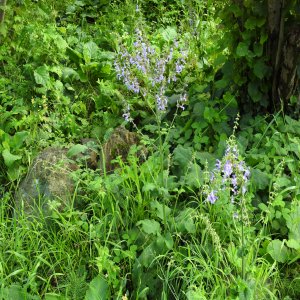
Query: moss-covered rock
{"x": 48, "y": 179}
{"x": 119, "y": 144}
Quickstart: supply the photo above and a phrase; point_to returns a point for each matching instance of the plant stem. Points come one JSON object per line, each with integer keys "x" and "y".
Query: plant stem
{"x": 243, "y": 241}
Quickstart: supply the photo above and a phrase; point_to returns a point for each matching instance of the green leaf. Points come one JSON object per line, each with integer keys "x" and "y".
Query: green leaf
{"x": 182, "y": 156}
{"x": 253, "y": 22}
{"x": 51, "y": 296}
{"x": 184, "y": 221}
{"x": 263, "y": 207}
{"x": 258, "y": 49}
{"x": 260, "y": 69}
{"x": 90, "y": 51}
{"x": 253, "y": 90}
{"x": 278, "y": 251}
{"x": 18, "y": 139}
{"x": 150, "y": 226}
{"x": 242, "y": 49}
{"x": 159, "y": 209}
{"x": 69, "y": 74}
{"x": 293, "y": 222}
{"x": 169, "y": 241}
{"x": 98, "y": 289}
{"x": 169, "y": 34}
{"x": 74, "y": 55}
{"x": 76, "y": 149}
{"x": 148, "y": 187}
{"x": 41, "y": 76}
{"x": 9, "y": 158}
{"x": 293, "y": 244}
{"x": 263, "y": 38}
{"x": 260, "y": 179}
{"x": 16, "y": 292}
{"x": 195, "y": 293}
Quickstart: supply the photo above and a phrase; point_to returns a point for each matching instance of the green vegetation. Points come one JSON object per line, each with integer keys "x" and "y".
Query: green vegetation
{"x": 207, "y": 205}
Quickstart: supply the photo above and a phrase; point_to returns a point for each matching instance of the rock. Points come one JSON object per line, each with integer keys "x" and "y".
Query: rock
{"x": 91, "y": 155}
{"x": 48, "y": 179}
{"x": 119, "y": 144}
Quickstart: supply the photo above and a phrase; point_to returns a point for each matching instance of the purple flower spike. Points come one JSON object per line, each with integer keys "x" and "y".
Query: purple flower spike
{"x": 212, "y": 198}
{"x": 227, "y": 168}
{"x": 218, "y": 164}
{"x": 234, "y": 181}
{"x": 246, "y": 175}
{"x": 244, "y": 190}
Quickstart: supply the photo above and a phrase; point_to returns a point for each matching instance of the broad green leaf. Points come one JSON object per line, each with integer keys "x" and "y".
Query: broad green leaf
{"x": 169, "y": 34}
{"x": 169, "y": 241}
{"x": 148, "y": 255}
{"x": 13, "y": 173}
{"x": 149, "y": 226}
{"x": 90, "y": 51}
{"x": 194, "y": 177}
{"x": 9, "y": 158}
{"x": 106, "y": 56}
{"x": 60, "y": 42}
{"x": 242, "y": 49}
{"x": 195, "y": 293}
{"x": 149, "y": 187}
{"x": 76, "y": 149}
{"x": 56, "y": 69}
{"x": 260, "y": 69}
{"x": 263, "y": 37}
{"x": 258, "y": 49}
{"x": 254, "y": 92}
{"x": 293, "y": 222}
{"x": 278, "y": 251}
{"x": 159, "y": 209}
{"x": 253, "y": 22}
{"x": 293, "y": 244}
{"x": 16, "y": 292}
{"x": 263, "y": 207}
{"x": 185, "y": 221}
{"x": 41, "y": 76}
{"x": 182, "y": 156}
{"x": 98, "y": 289}
{"x": 69, "y": 74}
{"x": 283, "y": 181}
{"x": 74, "y": 55}
{"x": 18, "y": 139}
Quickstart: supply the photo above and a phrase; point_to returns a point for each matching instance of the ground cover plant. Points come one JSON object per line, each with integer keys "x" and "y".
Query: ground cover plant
{"x": 206, "y": 205}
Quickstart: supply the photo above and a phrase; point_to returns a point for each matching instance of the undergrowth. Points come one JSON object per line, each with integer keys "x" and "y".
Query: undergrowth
{"x": 212, "y": 212}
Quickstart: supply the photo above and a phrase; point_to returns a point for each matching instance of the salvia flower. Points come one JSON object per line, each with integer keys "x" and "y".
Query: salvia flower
{"x": 212, "y": 198}
{"x": 147, "y": 70}
{"x": 231, "y": 174}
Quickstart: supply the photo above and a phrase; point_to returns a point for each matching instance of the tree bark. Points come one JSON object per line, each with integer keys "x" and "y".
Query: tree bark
{"x": 2, "y": 10}
{"x": 276, "y": 30}
{"x": 288, "y": 79}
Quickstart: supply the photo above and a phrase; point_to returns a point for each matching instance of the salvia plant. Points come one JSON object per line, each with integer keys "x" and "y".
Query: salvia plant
{"x": 228, "y": 184}
{"x": 147, "y": 71}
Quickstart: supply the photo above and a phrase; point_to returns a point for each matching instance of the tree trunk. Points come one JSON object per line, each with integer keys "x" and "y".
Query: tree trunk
{"x": 2, "y": 10}
{"x": 276, "y": 29}
{"x": 288, "y": 79}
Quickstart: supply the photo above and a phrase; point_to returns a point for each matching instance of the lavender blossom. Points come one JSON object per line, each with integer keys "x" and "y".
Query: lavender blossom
{"x": 182, "y": 100}
{"x": 227, "y": 168}
{"x": 126, "y": 114}
{"x": 145, "y": 71}
{"x": 218, "y": 164}
{"x": 230, "y": 174}
{"x": 212, "y": 198}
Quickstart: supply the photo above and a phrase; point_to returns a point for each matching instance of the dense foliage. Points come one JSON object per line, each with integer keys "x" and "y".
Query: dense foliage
{"x": 213, "y": 211}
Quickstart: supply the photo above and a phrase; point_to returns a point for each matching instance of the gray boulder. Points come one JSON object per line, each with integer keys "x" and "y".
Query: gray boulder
{"x": 48, "y": 179}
